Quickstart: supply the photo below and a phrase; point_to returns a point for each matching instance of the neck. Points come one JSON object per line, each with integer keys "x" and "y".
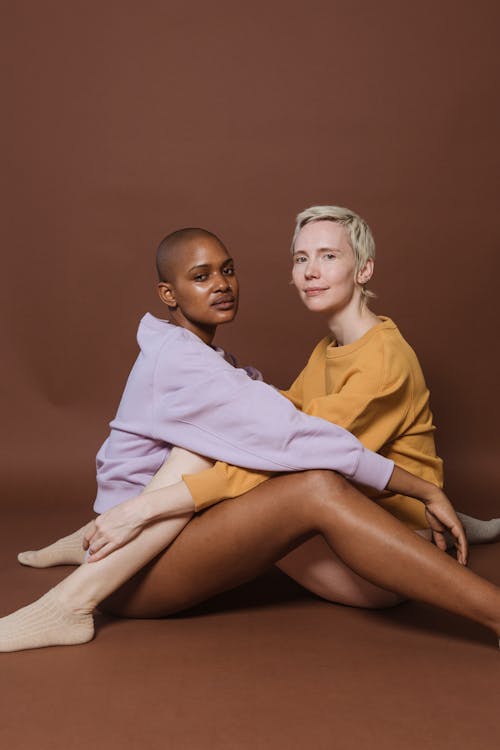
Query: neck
{"x": 205, "y": 332}
{"x": 350, "y": 324}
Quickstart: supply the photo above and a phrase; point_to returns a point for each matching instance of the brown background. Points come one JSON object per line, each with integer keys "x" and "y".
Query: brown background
{"x": 126, "y": 120}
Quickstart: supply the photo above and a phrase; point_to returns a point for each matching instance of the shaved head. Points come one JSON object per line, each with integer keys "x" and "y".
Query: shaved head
{"x": 171, "y": 247}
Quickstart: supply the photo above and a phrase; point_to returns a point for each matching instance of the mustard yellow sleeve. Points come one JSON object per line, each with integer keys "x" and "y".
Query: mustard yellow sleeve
{"x": 222, "y": 481}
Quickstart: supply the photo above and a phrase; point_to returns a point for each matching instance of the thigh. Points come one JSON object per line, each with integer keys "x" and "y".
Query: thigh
{"x": 316, "y": 567}
{"x": 226, "y": 545}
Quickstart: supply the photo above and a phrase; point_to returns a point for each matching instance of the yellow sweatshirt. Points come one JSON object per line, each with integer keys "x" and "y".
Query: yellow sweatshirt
{"x": 374, "y": 388}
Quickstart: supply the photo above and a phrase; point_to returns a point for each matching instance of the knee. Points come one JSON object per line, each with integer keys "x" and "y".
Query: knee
{"x": 324, "y": 484}
{"x": 321, "y": 491}
{"x": 309, "y": 494}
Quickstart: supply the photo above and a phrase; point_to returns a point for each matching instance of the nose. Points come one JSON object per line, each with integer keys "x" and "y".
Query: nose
{"x": 222, "y": 283}
{"x": 311, "y": 271}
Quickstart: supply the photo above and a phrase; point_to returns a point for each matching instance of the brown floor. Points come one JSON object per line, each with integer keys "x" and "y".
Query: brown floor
{"x": 266, "y": 666}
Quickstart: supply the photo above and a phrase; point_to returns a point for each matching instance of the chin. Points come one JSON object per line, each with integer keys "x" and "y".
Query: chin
{"x": 314, "y": 304}
{"x": 224, "y": 316}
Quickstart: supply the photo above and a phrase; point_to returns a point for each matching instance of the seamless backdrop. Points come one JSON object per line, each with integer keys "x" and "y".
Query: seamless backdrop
{"x": 124, "y": 121}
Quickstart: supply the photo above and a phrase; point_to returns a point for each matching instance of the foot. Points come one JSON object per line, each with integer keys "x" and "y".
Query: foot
{"x": 66, "y": 551}
{"x": 480, "y": 532}
{"x": 46, "y": 622}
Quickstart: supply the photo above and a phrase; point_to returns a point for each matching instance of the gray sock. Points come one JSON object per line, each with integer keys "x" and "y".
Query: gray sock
{"x": 480, "y": 532}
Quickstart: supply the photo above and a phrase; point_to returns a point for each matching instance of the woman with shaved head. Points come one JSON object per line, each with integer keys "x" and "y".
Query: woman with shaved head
{"x": 317, "y": 527}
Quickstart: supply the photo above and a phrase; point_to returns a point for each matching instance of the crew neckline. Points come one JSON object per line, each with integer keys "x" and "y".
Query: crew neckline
{"x": 332, "y": 350}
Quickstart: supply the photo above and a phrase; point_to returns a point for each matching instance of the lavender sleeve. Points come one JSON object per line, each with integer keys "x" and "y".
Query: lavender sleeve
{"x": 216, "y": 410}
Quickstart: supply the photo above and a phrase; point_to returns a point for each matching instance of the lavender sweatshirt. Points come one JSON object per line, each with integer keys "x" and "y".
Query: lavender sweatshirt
{"x": 182, "y": 392}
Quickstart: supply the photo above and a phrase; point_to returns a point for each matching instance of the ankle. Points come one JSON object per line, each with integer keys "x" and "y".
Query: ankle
{"x": 72, "y": 602}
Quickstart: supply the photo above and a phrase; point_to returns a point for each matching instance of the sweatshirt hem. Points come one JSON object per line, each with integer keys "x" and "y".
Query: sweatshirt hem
{"x": 111, "y": 494}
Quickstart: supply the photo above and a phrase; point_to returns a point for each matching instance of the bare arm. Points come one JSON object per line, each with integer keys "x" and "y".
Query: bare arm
{"x": 163, "y": 497}
{"x": 177, "y": 499}
{"x": 438, "y": 509}
{"x": 116, "y": 527}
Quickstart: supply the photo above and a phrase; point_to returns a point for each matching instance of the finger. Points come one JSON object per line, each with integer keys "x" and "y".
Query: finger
{"x": 88, "y": 536}
{"x": 439, "y": 539}
{"x": 462, "y": 544}
{"x": 96, "y": 544}
{"x": 103, "y": 552}
{"x": 438, "y": 530}
{"x": 435, "y": 523}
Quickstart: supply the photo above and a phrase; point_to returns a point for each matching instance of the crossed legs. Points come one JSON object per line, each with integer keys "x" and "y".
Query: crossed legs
{"x": 238, "y": 539}
{"x": 318, "y": 569}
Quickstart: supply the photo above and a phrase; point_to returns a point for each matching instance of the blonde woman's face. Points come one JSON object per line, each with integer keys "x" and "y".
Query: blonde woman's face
{"x": 324, "y": 267}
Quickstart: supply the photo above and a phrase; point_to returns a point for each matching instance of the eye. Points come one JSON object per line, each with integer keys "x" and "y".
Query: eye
{"x": 330, "y": 256}
{"x": 201, "y": 277}
{"x": 299, "y": 259}
{"x": 228, "y": 271}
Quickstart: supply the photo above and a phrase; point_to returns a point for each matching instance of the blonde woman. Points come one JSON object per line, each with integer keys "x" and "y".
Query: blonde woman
{"x": 318, "y": 529}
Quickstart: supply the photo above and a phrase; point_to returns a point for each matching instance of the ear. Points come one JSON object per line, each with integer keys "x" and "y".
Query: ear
{"x": 167, "y": 294}
{"x": 364, "y": 274}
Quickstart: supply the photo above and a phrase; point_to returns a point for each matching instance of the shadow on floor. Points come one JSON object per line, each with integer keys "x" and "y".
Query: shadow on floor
{"x": 275, "y": 589}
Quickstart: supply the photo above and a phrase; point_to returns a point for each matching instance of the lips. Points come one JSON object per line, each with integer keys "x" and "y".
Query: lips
{"x": 312, "y": 291}
{"x": 224, "y": 302}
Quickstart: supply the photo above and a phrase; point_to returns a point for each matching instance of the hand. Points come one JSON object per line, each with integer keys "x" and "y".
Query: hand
{"x": 442, "y": 517}
{"x": 114, "y": 528}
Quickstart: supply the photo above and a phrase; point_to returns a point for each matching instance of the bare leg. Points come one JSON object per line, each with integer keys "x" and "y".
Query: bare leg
{"x": 52, "y": 620}
{"x": 69, "y": 549}
{"x": 238, "y": 539}
{"x": 318, "y": 569}
{"x": 63, "y": 616}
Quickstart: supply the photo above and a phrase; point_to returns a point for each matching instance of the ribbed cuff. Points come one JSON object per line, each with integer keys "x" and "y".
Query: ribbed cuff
{"x": 373, "y": 470}
{"x": 207, "y": 487}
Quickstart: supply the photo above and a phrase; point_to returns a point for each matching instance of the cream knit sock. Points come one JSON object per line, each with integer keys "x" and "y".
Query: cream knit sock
{"x": 66, "y": 551}
{"x": 46, "y": 622}
{"x": 480, "y": 532}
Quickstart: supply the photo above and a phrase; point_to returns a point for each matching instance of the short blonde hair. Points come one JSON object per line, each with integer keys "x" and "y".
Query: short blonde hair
{"x": 359, "y": 234}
